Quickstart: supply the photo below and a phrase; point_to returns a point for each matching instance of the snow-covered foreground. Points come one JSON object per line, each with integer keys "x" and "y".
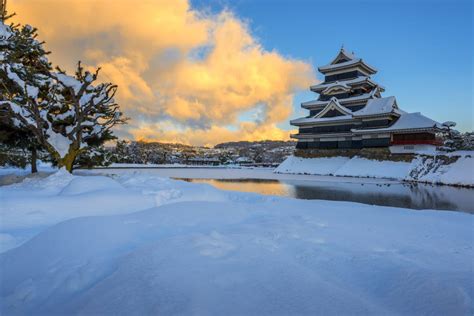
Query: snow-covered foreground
{"x": 421, "y": 169}
{"x": 139, "y": 244}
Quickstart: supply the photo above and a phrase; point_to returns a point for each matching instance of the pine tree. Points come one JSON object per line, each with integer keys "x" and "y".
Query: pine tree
{"x": 95, "y": 156}
{"x": 24, "y": 62}
{"x": 452, "y": 138}
{"x": 121, "y": 152}
{"x": 67, "y": 116}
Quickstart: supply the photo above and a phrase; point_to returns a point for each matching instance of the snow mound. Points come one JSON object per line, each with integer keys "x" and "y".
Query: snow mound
{"x": 255, "y": 258}
{"x": 319, "y": 166}
{"x": 460, "y": 172}
{"x": 362, "y": 167}
{"x": 162, "y": 191}
{"x": 146, "y": 245}
{"x": 80, "y": 185}
{"x": 53, "y": 183}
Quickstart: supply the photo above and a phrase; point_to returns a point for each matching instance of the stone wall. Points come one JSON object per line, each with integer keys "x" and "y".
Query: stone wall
{"x": 381, "y": 153}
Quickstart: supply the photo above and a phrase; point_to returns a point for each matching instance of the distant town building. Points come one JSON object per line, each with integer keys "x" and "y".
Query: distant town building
{"x": 350, "y": 113}
{"x": 204, "y": 161}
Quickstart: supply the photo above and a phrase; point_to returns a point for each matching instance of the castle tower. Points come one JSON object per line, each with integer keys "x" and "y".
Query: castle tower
{"x": 350, "y": 112}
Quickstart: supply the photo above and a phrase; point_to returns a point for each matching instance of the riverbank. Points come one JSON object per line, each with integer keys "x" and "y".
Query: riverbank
{"x": 449, "y": 169}
{"x": 80, "y": 244}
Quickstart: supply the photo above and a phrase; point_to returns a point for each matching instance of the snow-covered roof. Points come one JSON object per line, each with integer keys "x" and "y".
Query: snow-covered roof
{"x": 305, "y": 120}
{"x": 343, "y": 54}
{"x": 378, "y": 106}
{"x": 407, "y": 121}
{"x": 350, "y": 82}
{"x": 313, "y": 103}
{"x": 318, "y": 118}
{"x": 340, "y": 65}
{"x": 374, "y": 107}
{"x": 317, "y": 103}
{"x": 347, "y": 64}
{"x": 334, "y": 105}
{"x": 339, "y": 86}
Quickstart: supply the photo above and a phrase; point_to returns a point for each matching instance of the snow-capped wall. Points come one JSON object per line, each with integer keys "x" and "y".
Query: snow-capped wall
{"x": 319, "y": 166}
{"x": 421, "y": 169}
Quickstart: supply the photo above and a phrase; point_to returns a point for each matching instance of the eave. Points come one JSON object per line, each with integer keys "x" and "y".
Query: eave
{"x": 307, "y": 105}
{"x": 349, "y": 64}
{"x": 324, "y": 123}
{"x": 395, "y": 131}
{"x": 350, "y": 82}
{"x": 315, "y": 135}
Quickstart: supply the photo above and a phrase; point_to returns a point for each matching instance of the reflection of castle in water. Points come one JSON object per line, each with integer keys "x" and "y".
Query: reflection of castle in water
{"x": 414, "y": 196}
{"x": 418, "y": 196}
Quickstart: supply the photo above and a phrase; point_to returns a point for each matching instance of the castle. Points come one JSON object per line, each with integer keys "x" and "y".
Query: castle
{"x": 350, "y": 113}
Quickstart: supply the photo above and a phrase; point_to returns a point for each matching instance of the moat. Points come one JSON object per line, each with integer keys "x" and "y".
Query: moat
{"x": 362, "y": 190}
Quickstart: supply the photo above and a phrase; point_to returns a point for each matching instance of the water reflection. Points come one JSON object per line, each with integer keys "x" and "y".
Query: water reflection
{"x": 414, "y": 196}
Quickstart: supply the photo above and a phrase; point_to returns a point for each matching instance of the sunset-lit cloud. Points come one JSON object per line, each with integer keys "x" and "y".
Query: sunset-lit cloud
{"x": 183, "y": 75}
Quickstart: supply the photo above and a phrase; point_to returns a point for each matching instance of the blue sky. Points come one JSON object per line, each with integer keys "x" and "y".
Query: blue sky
{"x": 422, "y": 49}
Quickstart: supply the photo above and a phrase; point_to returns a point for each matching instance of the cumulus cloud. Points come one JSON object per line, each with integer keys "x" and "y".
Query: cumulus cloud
{"x": 183, "y": 75}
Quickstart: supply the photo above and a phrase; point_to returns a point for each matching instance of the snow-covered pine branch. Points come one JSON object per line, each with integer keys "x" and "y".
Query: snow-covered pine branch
{"x": 66, "y": 114}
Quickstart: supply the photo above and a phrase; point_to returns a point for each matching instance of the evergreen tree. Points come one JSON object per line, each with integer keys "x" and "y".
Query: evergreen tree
{"x": 95, "y": 156}
{"x": 66, "y": 115}
{"x": 452, "y": 138}
{"x": 19, "y": 49}
{"x": 121, "y": 152}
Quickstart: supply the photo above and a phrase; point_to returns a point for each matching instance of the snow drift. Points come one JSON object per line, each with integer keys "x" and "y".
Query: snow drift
{"x": 146, "y": 245}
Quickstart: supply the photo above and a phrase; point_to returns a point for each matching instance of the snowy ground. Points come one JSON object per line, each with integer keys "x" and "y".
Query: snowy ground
{"x": 198, "y": 172}
{"x": 140, "y": 244}
{"x": 428, "y": 170}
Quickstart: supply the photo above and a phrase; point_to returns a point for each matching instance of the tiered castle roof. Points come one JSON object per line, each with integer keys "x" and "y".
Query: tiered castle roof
{"x": 349, "y": 95}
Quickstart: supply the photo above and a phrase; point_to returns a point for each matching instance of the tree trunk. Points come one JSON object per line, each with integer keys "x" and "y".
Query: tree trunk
{"x": 34, "y": 157}
{"x": 68, "y": 160}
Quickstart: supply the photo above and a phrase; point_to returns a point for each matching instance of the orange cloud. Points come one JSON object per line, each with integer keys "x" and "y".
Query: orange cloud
{"x": 216, "y": 134}
{"x": 183, "y": 75}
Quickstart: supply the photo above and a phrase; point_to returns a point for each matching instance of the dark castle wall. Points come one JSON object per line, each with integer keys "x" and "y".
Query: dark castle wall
{"x": 327, "y": 129}
{"x": 376, "y": 123}
{"x": 345, "y": 75}
{"x": 346, "y": 144}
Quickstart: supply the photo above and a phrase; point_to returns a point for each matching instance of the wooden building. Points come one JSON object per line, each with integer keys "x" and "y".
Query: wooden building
{"x": 350, "y": 113}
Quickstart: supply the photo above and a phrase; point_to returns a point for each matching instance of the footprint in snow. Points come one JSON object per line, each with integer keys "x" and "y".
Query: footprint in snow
{"x": 214, "y": 245}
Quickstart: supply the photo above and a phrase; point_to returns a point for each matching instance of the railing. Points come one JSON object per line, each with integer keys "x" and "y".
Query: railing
{"x": 435, "y": 142}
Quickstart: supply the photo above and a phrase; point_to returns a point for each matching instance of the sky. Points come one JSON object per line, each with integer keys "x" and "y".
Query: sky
{"x": 204, "y": 72}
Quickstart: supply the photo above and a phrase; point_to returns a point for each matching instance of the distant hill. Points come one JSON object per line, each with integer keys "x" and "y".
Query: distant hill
{"x": 263, "y": 143}
{"x": 259, "y": 152}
